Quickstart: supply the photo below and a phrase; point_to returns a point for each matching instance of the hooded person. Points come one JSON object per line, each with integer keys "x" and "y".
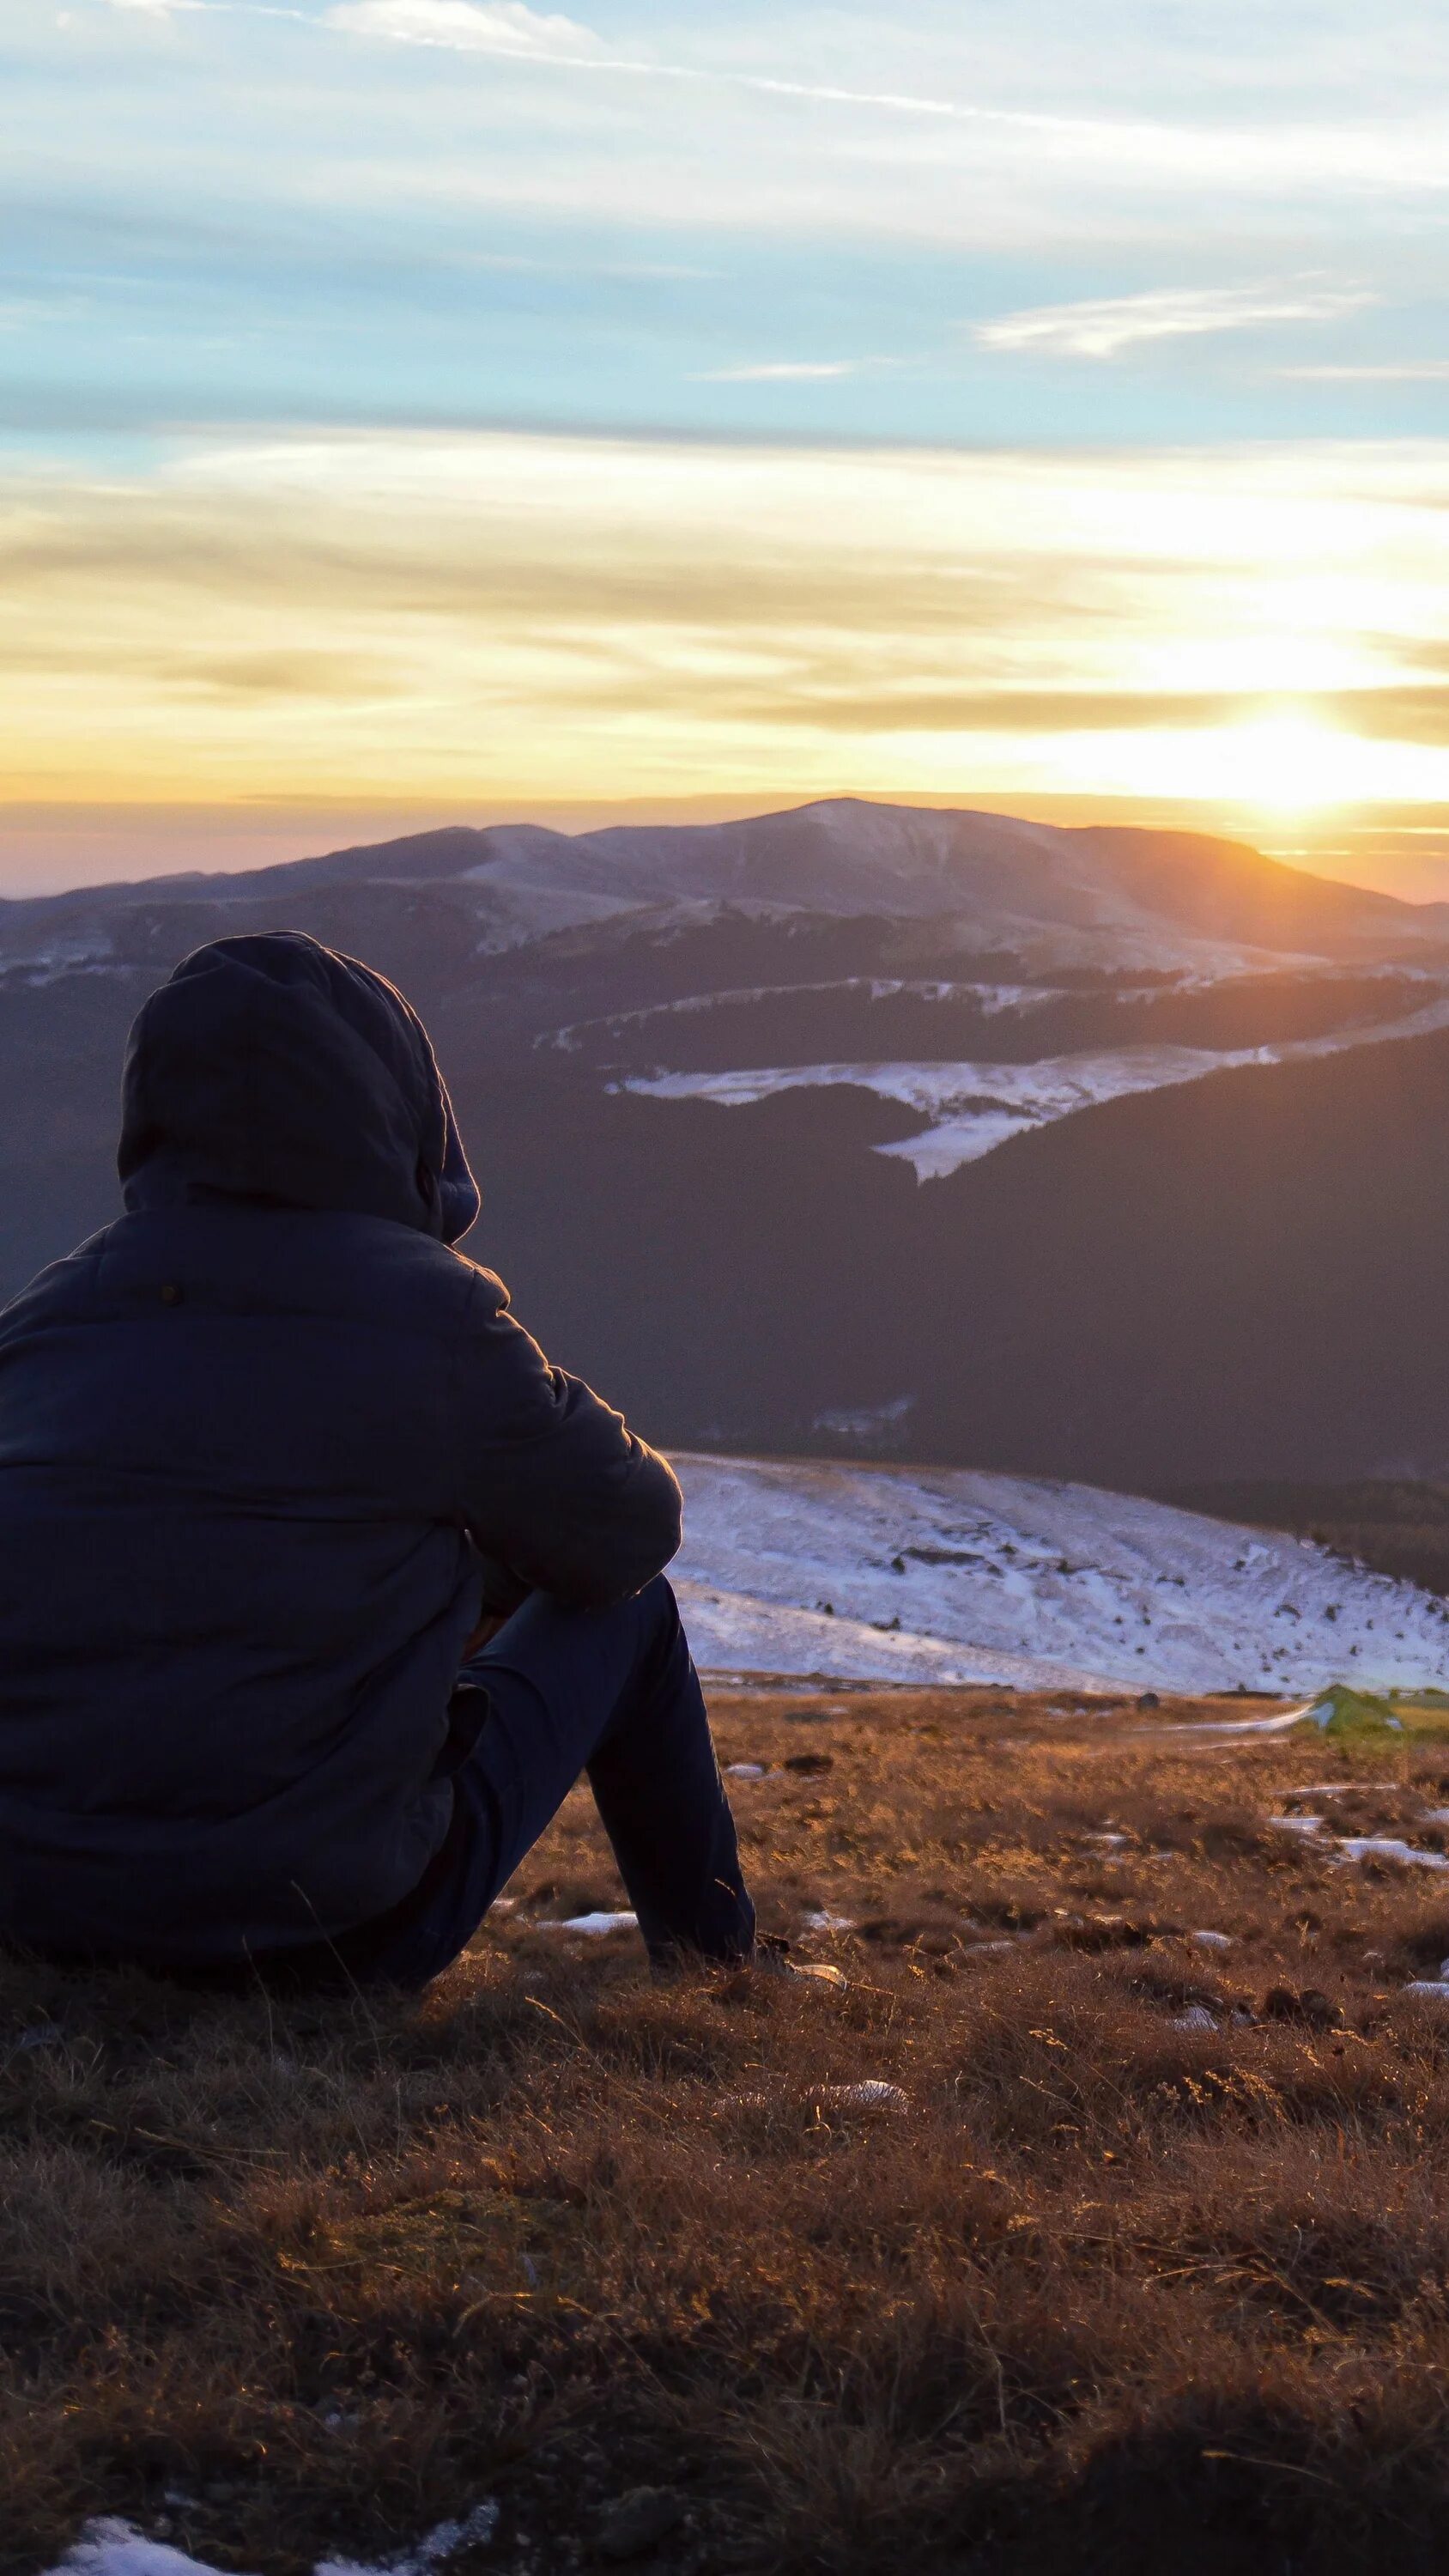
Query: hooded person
{"x": 272, "y": 1453}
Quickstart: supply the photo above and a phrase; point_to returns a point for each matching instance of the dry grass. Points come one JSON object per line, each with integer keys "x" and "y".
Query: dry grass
{"x": 280, "y": 2279}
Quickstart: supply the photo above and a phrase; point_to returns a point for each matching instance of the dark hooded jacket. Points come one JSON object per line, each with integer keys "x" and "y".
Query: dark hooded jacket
{"x": 268, "y": 1447}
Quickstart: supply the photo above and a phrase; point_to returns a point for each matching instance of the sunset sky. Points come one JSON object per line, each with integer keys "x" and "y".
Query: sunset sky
{"x": 424, "y": 408}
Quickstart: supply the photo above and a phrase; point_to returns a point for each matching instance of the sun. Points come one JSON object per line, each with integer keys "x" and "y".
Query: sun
{"x": 1272, "y": 761}
{"x": 1287, "y": 764}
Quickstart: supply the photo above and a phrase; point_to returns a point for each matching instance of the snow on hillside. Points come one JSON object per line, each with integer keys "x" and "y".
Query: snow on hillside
{"x": 881, "y": 1573}
{"x": 991, "y": 1000}
{"x": 973, "y": 1108}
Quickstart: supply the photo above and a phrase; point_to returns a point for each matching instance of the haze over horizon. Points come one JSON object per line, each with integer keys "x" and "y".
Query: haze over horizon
{"x": 58, "y": 849}
{"x": 419, "y": 410}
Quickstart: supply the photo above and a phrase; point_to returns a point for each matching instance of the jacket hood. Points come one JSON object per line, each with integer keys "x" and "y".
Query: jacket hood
{"x": 271, "y": 1068}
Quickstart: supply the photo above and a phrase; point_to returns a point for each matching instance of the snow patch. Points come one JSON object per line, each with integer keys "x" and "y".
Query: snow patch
{"x": 873, "y": 1426}
{"x": 802, "y": 1568}
{"x": 594, "y": 1925}
{"x": 113, "y": 2548}
{"x": 873, "y": 2093}
{"x": 734, "y": 1632}
{"x": 1389, "y": 1847}
{"x": 973, "y": 1108}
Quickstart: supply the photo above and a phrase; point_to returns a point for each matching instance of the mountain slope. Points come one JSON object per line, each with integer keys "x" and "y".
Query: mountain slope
{"x": 1160, "y": 899}
{"x": 1241, "y": 1277}
{"x": 875, "y": 1573}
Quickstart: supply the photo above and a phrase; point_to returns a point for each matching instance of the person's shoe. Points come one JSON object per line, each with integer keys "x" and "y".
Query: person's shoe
{"x": 772, "y": 1956}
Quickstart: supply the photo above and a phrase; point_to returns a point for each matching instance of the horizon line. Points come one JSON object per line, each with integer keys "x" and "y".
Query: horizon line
{"x": 289, "y": 817}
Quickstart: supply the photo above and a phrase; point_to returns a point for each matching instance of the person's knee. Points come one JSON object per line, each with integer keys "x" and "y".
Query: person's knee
{"x": 658, "y": 1611}
{"x": 662, "y": 1636}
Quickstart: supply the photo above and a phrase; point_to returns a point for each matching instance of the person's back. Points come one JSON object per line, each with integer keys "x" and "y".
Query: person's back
{"x": 268, "y": 1449}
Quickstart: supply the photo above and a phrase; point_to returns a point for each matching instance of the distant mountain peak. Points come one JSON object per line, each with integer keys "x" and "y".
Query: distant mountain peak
{"x": 1116, "y": 897}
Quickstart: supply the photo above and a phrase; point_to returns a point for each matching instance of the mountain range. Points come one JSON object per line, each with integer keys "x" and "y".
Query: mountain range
{"x": 868, "y": 1129}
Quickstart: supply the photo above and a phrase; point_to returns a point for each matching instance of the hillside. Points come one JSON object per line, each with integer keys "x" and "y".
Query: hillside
{"x": 1227, "y": 1280}
{"x": 940, "y": 1136}
{"x": 894, "y": 1574}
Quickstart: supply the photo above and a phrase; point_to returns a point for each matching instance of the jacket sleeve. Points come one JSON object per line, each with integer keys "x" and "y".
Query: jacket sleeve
{"x": 557, "y": 1494}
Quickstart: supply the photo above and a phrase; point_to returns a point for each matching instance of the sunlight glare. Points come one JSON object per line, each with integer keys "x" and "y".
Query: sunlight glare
{"x": 1289, "y": 764}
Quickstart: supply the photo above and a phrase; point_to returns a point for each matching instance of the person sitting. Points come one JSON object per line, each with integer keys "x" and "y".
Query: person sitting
{"x": 320, "y": 1585}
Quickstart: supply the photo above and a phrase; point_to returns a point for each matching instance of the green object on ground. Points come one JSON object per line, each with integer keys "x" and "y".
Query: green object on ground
{"x": 1341, "y": 1711}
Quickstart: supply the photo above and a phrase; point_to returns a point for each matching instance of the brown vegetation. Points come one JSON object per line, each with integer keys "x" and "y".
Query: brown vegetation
{"x": 1149, "y": 2266}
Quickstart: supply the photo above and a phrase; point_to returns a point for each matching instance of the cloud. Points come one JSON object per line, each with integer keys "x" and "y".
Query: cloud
{"x": 781, "y": 370}
{"x": 1403, "y": 714}
{"x": 1409, "y": 371}
{"x": 508, "y": 27}
{"x": 1102, "y": 327}
{"x": 21, "y": 312}
{"x": 289, "y": 675}
{"x": 484, "y": 612}
{"x": 466, "y": 26}
{"x": 1275, "y": 158}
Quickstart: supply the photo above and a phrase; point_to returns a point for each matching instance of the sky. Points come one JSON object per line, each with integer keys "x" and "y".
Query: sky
{"x": 412, "y": 409}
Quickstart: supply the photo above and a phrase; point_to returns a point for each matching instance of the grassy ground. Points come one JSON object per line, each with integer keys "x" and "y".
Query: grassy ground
{"x": 1103, "y": 2291}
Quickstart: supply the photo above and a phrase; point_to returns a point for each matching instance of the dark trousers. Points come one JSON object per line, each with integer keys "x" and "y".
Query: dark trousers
{"x": 613, "y": 1693}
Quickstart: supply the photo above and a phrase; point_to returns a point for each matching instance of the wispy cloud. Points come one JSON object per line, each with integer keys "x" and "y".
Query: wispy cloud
{"x": 468, "y": 26}
{"x": 476, "y": 613}
{"x": 782, "y": 371}
{"x": 527, "y": 264}
{"x": 1407, "y": 371}
{"x": 1104, "y": 326}
{"x": 22, "y": 312}
{"x": 1260, "y": 156}
{"x": 508, "y": 27}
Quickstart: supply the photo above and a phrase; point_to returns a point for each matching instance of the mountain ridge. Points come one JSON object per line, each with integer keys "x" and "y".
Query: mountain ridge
{"x": 1010, "y": 883}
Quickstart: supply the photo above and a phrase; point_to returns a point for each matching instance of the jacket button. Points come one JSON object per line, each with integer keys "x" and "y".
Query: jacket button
{"x": 170, "y": 1294}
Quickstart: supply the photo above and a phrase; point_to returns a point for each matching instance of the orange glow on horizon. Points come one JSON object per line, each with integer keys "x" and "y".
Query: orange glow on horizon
{"x": 491, "y": 622}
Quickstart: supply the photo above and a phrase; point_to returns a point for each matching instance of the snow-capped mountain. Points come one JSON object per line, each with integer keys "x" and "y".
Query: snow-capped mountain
{"x": 1165, "y": 902}
{"x": 902, "y": 1575}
